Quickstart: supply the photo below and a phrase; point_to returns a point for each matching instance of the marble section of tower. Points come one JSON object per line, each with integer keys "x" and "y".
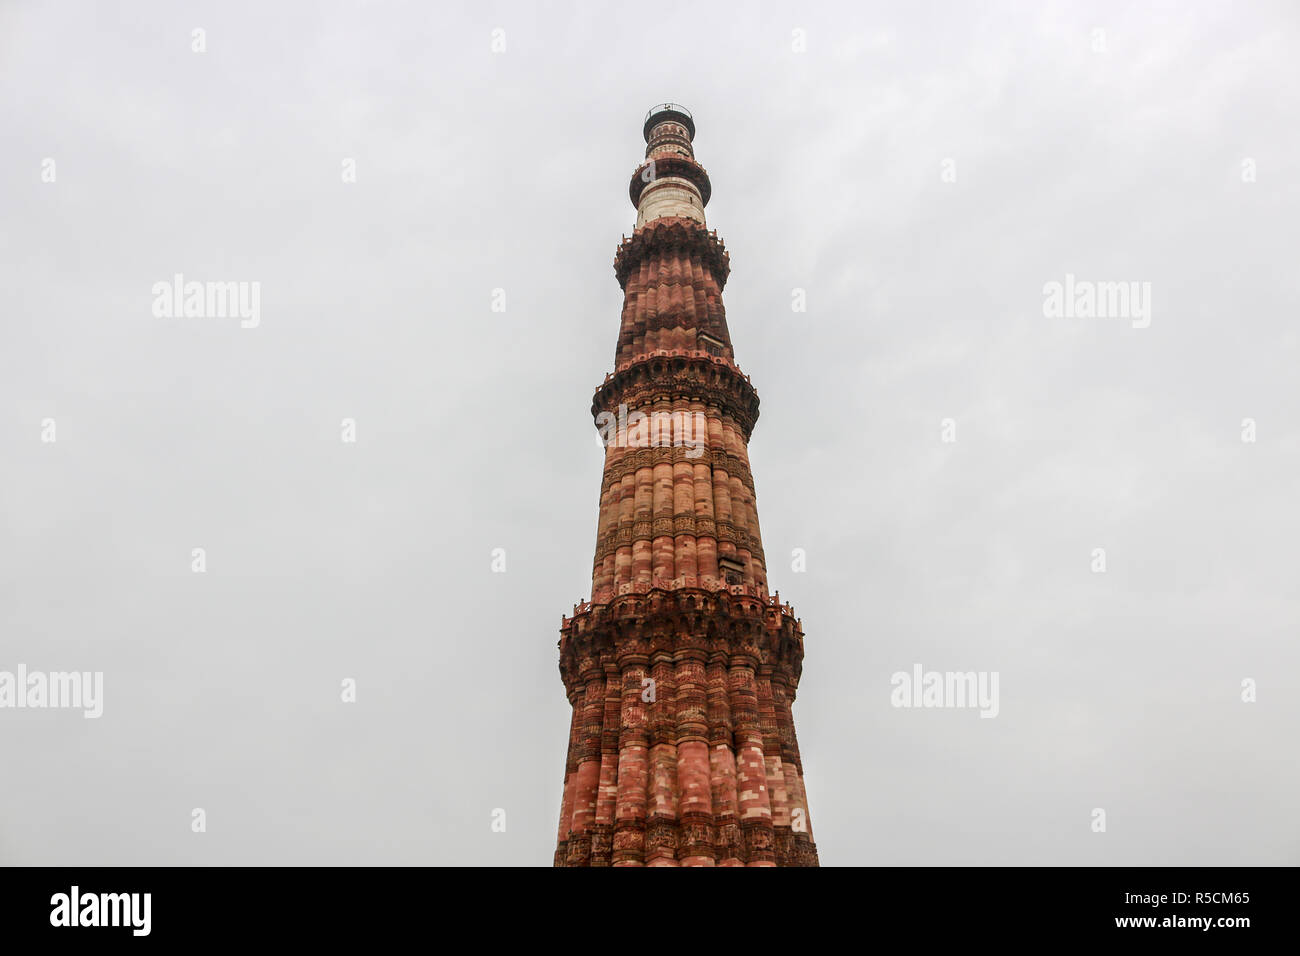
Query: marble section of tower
{"x": 682, "y": 668}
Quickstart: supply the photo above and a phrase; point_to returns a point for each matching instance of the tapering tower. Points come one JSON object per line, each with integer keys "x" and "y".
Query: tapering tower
{"x": 683, "y": 668}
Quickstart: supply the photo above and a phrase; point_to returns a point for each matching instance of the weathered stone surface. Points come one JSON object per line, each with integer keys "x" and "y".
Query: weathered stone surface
{"x": 683, "y": 667}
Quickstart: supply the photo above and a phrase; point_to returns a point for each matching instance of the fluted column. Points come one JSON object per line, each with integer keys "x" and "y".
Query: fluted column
{"x": 624, "y": 559}
{"x": 570, "y": 774}
{"x": 722, "y": 764}
{"x": 633, "y": 766}
{"x": 588, "y": 777}
{"x": 751, "y": 768}
{"x": 662, "y": 547}
{"x": 661, "y": 819}
{"x": 777, "y": 794}
{"x": 695, "y": 805}
{"x": 642, "y": 525}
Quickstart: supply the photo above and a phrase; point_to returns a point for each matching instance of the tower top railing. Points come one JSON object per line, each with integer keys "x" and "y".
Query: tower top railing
{"x": 680, "y": 112}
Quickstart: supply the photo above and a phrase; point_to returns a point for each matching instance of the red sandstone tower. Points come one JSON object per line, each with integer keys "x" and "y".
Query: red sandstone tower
{"x": 682, "y": 669}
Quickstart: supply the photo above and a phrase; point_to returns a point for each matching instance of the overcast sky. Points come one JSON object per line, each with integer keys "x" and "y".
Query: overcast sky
{"x": 920, "y": 171}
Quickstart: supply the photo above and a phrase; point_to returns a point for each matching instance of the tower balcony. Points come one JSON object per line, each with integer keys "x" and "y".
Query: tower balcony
{"x": 668, "y": 112}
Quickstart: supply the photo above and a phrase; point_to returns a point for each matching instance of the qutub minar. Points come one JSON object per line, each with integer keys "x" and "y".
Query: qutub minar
{"x": 682, "y": 669}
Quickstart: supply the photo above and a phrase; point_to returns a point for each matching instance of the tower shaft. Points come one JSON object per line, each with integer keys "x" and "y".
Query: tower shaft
{"x": 683, "y": 667}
